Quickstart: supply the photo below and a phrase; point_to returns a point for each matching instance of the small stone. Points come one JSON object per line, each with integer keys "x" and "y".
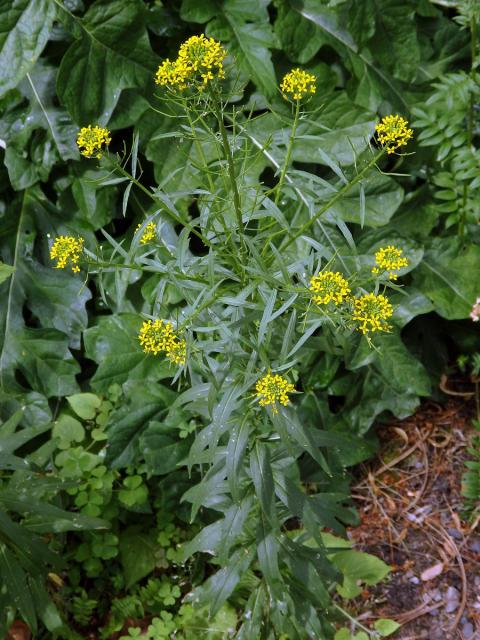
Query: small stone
{"x": 436, "y": 595}
{"x": 414, "y": 580}
{"x": 455, "y": 534}
{"x": 452, "y": 594}
{"x": 451, "y": 606}
{"x": 432, "y": 572}
{"x": 475, "y": 546}
{"x": 468, "y": 630}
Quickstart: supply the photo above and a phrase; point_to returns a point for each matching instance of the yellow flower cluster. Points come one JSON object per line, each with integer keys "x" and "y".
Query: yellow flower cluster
{"x": 67, "y": 250}
{"x": 149, "y": 233}
{"x": 389, "y": 259}
{"x": 393, "y": 132}
{"x": 172, "y": 74}
{"x": 90, "y": 141}
{"x": 158, "y": 335}
{"x": 199, "y": 59}
{"x": 272, "y": 389}
{"x": 329, "y": 286}
{"x": 372, "y": 312}
{"x": 297, "y": 84}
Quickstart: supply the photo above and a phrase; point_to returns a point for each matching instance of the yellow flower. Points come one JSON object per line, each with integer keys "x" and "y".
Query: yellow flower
{"x": 91, "y": 139}
{"x": 199, "y": 59}
{"x": 67, "y": 250}
{"x": 389, "y": 259}
{"x": 329, "y": 286}
{"x": 372, "y": 312}
{"x": 297, "y": 84}
{"x": 204, "y": 56}
{"x": 157, "y": 335}
{"x": 149, "y": 233}
{"x": 393, "y": 132}
{"x": 174, "y": 75}
{"x": 272, "y": 389}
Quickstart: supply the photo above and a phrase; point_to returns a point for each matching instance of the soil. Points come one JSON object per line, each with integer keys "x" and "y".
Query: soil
{"x": 412, "y": 516}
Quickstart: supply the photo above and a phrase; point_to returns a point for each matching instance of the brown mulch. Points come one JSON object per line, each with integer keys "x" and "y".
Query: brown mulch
{"x": 411, "y": 514}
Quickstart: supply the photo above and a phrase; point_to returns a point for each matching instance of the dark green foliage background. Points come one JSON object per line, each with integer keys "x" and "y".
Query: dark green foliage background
{"x": 65, "y": 64}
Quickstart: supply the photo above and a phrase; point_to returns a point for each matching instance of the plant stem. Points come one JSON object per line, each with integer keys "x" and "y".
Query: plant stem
{"x": 354, "y": 621}
{"x": 231, "y": 167}
{"x": 291, "y": 141}
{"x": 332, "y": 201}
{"x": 151, "y": 195}
{"x": 211, "y": 185}
{"x": 136, "y": 267}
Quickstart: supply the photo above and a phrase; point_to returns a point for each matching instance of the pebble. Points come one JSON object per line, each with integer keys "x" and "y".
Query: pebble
{"x": 436, "y": 595}
{"x": 452, "y": 594}
{"x": 455, "y": 534}
{"x": 414, "y": 580}
{"x": 452, "y": 597}
{"x": 475, "y": 546}
{"x": 468, "y": 630}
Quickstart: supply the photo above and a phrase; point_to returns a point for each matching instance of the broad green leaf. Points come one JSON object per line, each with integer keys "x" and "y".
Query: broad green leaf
{"x": 113, "y": 344}
{"x": 207, "y": 541}
{"x": 13, "y": 576}
{"x": 43, "y": 358}
{"x": 5, "y": 271}
{"x": 26, "y": 26}
{"x": 85, "y": 405}
{"x": 111, "y": 53}
{"x": 357, "y": 566}
{"x": 445, "y": 276}
{"x": 245, "y": 25}
{"x": 128, "y": 423}
{"x": 53, "y": 297}
{"x": 261, "y": 472}
{"x": 193, "y": 11}
{"x": 300, "y": 38}
{"x": 386, "y": 627}
{"x": 268, "y": 549}
{"x": 326, "y": 20}
{"x": 10, "y": 443}
{"x": 67, "y": 430}
{"x": 382, "y": 197}
{"x": 215, "y": 591}
{"x": 42, "y": 517}
{"x": 43, "y": 114}
{"x": 162, "y": 447}
{"x": 138, "y": 554}
{"x": 396, "y": 42}
{"x": 236, "y": 448}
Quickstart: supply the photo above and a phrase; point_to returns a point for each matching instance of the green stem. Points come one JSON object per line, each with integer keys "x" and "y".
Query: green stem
{"x": 355, "y": 622}
{"x": 151, "y": 195}
{"x": 332, "y": 201}
{"x": 199, "y": 148}
{"x": 231, "y": 167}
{"x": 291, "y": 140}
{"x": 136, "y": 267}
{"x": 201, "y": 308}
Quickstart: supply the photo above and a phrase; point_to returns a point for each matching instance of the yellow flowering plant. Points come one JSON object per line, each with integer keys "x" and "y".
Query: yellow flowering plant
{"x": 247, "y": 293}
